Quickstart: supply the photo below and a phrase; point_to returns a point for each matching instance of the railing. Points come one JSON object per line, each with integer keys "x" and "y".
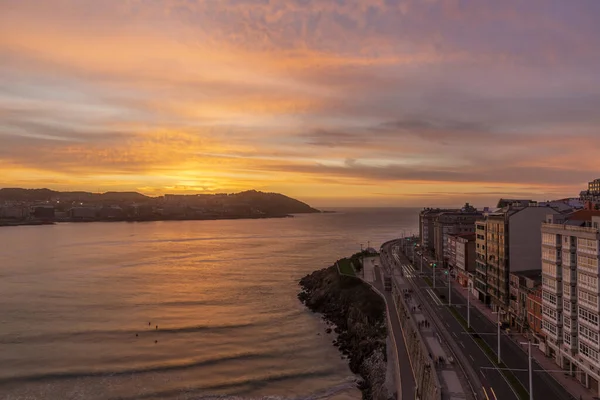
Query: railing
{"x": 570, "y": 227}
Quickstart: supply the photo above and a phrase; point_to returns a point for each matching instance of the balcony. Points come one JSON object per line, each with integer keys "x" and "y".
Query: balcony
{"x": 587, "y": 341}
{"x": 558, "y": 306}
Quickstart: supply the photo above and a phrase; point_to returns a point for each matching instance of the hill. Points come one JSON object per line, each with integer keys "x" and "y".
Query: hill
{"x": 274, "y": 203}
{"x": 267, "y": 203}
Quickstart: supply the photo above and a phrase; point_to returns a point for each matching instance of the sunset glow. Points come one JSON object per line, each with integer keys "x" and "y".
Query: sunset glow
{"x": 332, "y": 102}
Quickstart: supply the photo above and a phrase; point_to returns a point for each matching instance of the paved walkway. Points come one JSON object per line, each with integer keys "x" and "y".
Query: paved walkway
{"x": 571, "y": 384}
{"x": 405, "y": 377}
{"x": 444, "y": 365}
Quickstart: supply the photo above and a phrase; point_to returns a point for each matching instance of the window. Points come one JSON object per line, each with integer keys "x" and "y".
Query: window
{"x": 548, "y": 268}
{"x": 549, "y": 327}
{"x": 549, "y": 283}
{"x": 549, "y": 297}
{"x": 566, "y": 257}
{"x": 587, "y": 281}
{"x": 549, "y": 254}
{"x": 589, "y": 299}
{"x": 588, "y": 334}
{"x": 567, "y": 338}
{"x": 567, "y": 323}
{"x": 549, "y": 312}
{"x": 549, "y": 238}
{"x": 567, "y": 290}
{"x": 588, "y": 351}
{"x": 587, "y": 245}
{"x": 587, "y": 316}
{"x": 589, "y": 264}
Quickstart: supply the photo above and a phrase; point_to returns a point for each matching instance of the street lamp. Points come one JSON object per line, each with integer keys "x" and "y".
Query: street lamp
{"x": 449, "y": 289}
{"x": 433, "y": 269}
{"x": 498, "y": 312}
{"x": 530, "y": 369}
{"x": 468, "y": 305}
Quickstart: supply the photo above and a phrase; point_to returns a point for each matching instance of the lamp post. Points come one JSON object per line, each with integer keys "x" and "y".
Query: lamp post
{"x": 530, "y": 368}
{"x": 449, "y": 290}
{"x": 468, "y": 305}
{"x": 498, "y": 323}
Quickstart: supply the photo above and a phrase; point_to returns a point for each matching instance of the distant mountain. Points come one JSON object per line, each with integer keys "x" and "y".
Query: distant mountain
{"x": 268, "y": 203}
{"x": 18, "y": 194}
{"x": 274, "y": 203}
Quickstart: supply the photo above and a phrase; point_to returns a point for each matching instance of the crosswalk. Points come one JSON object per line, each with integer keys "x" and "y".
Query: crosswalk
{"x": 408, "y": 270}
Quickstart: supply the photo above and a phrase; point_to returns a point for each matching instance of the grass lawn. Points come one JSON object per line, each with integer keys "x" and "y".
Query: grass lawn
{"x": 346, "y": 267}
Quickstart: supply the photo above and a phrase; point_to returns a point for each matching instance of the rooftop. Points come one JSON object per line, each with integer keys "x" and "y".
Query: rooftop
{"x": 583, "y": 215}
{"x": 530, "y": 273}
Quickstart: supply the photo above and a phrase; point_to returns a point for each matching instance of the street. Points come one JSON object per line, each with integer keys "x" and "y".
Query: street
{"x": 494, "y": 384}
{"x": 544, "y": 386}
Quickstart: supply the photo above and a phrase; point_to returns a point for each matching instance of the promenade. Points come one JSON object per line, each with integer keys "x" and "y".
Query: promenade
{"x": 406, "y": 391}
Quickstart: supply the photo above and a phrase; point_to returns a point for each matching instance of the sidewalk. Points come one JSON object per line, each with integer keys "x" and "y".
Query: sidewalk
{"x": 571, "y": 384}
{"x": 445, "y": 367}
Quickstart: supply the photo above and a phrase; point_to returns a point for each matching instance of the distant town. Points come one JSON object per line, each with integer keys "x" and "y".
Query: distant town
{"x": 44, "y": 206}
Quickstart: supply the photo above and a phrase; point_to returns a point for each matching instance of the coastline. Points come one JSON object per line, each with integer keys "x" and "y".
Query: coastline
{"x": 357, "y": 315}
{"x": 8, "y": 223}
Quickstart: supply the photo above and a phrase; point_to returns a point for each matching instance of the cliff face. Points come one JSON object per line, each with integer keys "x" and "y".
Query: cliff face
{"x": 359, "y": 316}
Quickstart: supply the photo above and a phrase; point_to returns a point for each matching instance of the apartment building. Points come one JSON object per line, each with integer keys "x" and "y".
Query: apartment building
{"x": 570, "y": 291}
{"x": 426, "y": 220}
{"x": 461, "y": 256}
{"x": 534, "y": 315}
{"x": 521, "y": 284}
{"x": 480, "y": 275}
{"x": 452, "y": 223}
{"x": 591, "y": 196}
{"x": 508, "y": 241}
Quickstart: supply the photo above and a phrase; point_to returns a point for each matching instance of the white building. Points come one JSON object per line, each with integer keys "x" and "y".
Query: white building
{"x": 14, "y": 212}
{"x": 570, "y": 292}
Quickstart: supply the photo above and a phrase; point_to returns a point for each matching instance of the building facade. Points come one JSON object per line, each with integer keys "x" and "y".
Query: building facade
{"x": 570, "y": 292}
{"x": 426, "y": 222}
{"x": 480, "y": 276}
{"x": 452, "y": 223}
{"x": 534, "y": 315}
{"x": 591, "y": 196}
{"x": 521, "y": 284}
{"x": 510, "y": 244}
{"x": 464, "y": 257}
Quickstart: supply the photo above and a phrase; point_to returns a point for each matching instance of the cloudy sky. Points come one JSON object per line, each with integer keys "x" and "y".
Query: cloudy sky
{"x": 335, "y": 102}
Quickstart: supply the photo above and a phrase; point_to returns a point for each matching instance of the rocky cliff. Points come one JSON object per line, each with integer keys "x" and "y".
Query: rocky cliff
{"x": 358, "y": 315}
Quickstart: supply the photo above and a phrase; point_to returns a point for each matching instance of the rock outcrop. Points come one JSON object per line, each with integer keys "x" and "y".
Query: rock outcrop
{"x": 358, "y": 314}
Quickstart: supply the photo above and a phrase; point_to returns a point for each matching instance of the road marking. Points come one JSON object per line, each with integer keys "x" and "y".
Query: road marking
{"x": 453, "y": 333}
{"x": 407, "y": 272}
{"x": 448, "y": 325}
{"x": 494, "y": 393}
{"x": 474, "y": 361}
{"x": 482, "y": 374}
{"x": 485, "y": 392}
{"x": 435, "y": 298}
{"x": 463, "y": 345}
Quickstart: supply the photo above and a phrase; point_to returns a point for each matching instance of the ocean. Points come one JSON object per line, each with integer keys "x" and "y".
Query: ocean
{"x": 176, "y": 309}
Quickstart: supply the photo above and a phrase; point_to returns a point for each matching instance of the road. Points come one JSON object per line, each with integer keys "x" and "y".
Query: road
{"x": 544, "y": 386}
{"x": 494, "y": 384}
{"x": 407, "y": 378}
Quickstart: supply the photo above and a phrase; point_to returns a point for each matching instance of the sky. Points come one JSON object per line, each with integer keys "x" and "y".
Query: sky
{"x": 333, "y": 102}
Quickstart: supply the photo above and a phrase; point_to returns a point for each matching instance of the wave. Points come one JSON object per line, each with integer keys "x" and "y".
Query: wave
{"x": 94, "y": 334}
{"x": 249, "y": 384}
{"x": 158, "y": 368}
